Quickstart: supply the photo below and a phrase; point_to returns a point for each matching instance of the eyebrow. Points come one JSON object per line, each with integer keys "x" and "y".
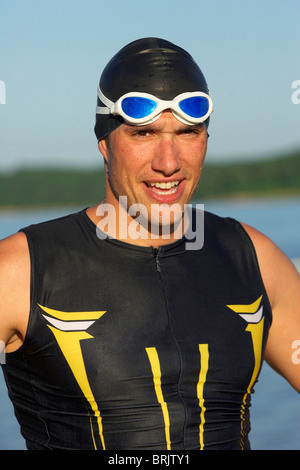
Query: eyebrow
{"x": 156, "y": 127}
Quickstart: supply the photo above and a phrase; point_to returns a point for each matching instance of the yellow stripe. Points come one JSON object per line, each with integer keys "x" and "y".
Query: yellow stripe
{"x": 251, "y": 308}
{"x": 156, "y": 372}
{"x": 72, "y": 316}
{"x": 204, "y": 357}
{"x": 69, "y": 343}
{"x": 256, "y": 331}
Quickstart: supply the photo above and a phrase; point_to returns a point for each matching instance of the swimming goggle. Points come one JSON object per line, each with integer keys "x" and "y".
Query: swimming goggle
{"x": 142, "y": 108}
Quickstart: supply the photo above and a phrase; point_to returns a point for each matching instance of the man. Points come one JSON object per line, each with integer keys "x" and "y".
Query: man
{"x": 119, "y": 333}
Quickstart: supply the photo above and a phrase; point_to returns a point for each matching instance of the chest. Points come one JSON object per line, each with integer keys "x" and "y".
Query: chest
{"x": 175, "y": 316}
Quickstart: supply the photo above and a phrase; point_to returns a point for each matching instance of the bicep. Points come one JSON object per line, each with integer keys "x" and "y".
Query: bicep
{"x": 285, "y": 330}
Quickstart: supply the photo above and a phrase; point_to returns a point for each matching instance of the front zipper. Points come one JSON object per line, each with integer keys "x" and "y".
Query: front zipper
{"x": 156, "y": 259}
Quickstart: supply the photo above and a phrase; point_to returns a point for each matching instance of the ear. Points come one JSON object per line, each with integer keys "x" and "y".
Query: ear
{"x": 103, "y": 148}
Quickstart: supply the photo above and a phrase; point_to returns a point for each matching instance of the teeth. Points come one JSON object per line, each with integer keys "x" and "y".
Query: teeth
{"x": 165, "y": 185}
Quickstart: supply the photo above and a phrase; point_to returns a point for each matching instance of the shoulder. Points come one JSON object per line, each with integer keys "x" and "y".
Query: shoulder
{"x": 14, "y": 286}
{"x": 278, "y": 272}
{"x": 13, "y": 252}
{"x": 54, "y": 224}
{"x": 53, "y": 231}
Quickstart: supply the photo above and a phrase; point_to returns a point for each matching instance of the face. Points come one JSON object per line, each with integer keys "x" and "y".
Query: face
{"x": 159, "y": 163}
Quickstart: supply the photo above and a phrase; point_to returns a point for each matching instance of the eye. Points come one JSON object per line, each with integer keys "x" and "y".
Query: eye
{"x": 189, "y": 131}
{"x": 142, "y": 133}
{"x": 193, "y": 130}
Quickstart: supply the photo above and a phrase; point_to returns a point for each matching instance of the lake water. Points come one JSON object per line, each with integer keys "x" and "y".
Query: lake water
{"x": 275, "y": 405}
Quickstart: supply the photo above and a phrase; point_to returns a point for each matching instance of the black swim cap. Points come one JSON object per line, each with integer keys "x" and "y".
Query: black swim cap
{"x": 149, "y": 65}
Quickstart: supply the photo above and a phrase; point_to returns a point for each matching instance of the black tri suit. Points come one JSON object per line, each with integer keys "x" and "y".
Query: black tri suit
{"x": 129, "y": 347}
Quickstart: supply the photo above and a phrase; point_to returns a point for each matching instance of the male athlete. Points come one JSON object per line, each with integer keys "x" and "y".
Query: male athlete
{"x": 119, "y": 334}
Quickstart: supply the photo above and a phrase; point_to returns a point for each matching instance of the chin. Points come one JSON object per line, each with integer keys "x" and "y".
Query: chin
{"x": 165, "y": 218}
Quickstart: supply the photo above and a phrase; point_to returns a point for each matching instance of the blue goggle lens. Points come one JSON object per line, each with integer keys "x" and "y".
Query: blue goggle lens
{"x": 196, "y": 106}
{"x": 138, "y": 107}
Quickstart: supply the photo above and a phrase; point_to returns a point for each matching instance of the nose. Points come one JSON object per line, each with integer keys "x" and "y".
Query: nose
{"x": 166, "y": 159}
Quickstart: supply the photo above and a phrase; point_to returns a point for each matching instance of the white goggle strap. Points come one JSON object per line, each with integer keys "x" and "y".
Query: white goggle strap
{"x": 108, "y": 104}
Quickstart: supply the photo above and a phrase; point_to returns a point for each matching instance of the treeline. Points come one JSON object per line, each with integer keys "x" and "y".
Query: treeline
{"x": 269, "y": 177}
{"x": 63, "y": 187}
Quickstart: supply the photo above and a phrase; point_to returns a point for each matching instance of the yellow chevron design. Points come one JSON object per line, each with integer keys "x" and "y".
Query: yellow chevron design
{"x": 72, "y": 316}
{"x": 246, "y": 308}
{"x": 69, "y": 343}
{"x": 256, "y": 330}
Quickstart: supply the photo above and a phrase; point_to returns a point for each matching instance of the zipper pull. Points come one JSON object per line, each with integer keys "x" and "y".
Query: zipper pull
{"x": 156, "y": 259}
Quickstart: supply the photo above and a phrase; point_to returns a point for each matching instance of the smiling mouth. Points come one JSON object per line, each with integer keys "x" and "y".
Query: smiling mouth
{"x": 164, "y": 187}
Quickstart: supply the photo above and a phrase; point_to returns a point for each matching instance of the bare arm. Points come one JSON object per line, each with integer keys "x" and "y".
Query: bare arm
{"x": 282, "y": 282}
{"x": 14, "y": 290}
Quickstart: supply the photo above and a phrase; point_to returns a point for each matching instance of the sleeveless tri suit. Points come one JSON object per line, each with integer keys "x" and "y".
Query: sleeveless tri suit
{"x": 129, "y": 347}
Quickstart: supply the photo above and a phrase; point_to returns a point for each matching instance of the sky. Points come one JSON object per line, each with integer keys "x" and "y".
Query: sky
{"x": 52, "y": 54}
